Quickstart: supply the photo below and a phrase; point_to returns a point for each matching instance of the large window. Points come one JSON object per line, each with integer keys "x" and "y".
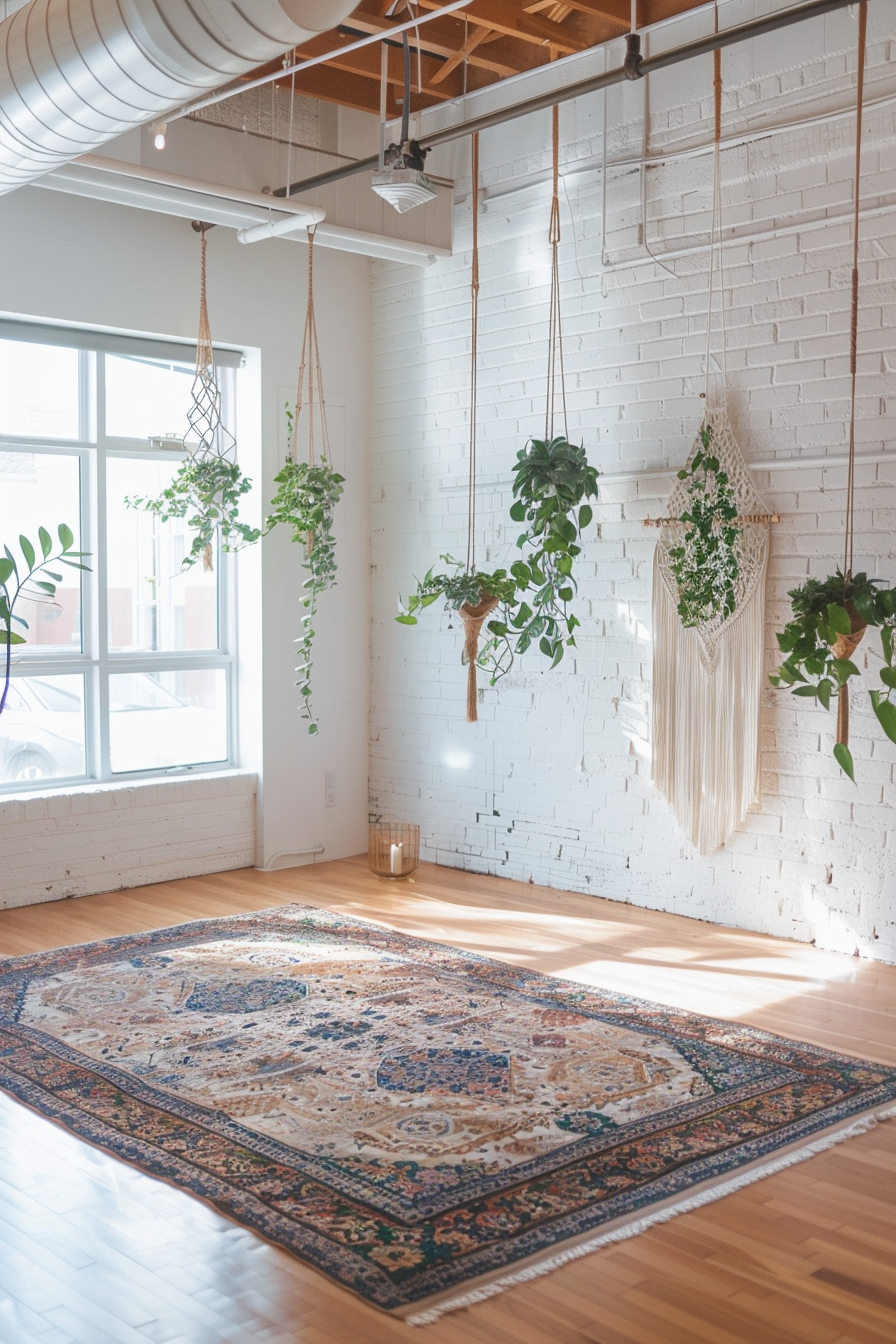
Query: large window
{"x": 130, "y": 668}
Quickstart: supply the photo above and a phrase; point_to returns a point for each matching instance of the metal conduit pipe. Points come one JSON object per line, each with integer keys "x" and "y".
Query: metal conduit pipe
{"x": 74, "y": 75}
{"x": 632, "y": 69}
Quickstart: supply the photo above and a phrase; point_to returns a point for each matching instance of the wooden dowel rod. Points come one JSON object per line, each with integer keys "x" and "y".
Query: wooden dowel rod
{"x": 740, "y": 521}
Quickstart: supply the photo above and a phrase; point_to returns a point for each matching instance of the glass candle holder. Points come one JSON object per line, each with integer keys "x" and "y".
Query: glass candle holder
{"x": 393, "y": 849}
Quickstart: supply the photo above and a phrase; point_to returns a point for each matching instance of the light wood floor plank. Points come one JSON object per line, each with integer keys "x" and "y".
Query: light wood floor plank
{"x": 93, "y": 1252}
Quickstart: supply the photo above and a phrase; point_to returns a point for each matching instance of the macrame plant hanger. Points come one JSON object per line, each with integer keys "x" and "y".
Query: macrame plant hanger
{"x": 474, "y": 614}
{"x": 846, "y": 645}
{"x": 707, "y": 678}
{"x": 555, "y": 326}
{"x": 204, "y": 416}
{"x": 309, "y": 363}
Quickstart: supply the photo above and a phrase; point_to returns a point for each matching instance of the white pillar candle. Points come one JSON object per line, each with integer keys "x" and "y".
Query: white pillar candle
{"x": 395, "y": 857}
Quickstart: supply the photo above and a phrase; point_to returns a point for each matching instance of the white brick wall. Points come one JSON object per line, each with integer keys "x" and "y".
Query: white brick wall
{"x": 553, "y": 783}
{"x": 105, "y": 837}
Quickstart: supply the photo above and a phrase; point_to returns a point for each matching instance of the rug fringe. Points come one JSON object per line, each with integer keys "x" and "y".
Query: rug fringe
{"x": 708, "y": 1196}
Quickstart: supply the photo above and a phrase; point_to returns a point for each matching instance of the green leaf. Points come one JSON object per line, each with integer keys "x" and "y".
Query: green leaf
{"x": 558, "y": 653}
{"x": 66, "y": 537}
{"x": 74, "y": 564}
{"x": 886, "y": 714}
{"x": 843, "y": 757}
{"x": 886, "y": 640}
{"x": 406, "y": 620}
{"x": 888, "y": 676}
{"x": 46, "y": 541}
{"x": 586, "y": 513}
{"x": 843, "y": 669}
{"x": 838, "y": 619}
{"x": 518, "y": 511}
{"x": 10, "y": 637}
{"x": 806, "y": 690}
{"x": 27, "y": 551}
{"x": 824, "y": 692}
{"x": 47, "y": 587}
{"x": 545, "y": 645}
{"x": 7, "y": 569}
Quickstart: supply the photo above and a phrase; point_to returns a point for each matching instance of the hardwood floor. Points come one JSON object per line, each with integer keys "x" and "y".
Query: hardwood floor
{"x": 94, "y": 1252}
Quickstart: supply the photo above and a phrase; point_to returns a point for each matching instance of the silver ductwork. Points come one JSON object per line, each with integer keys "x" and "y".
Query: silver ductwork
{"x": 76, "y": 73}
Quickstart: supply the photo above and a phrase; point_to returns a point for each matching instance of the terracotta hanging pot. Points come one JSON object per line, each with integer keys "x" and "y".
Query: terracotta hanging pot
{"x": 472, "y": 617}
{"x": 844, "y": 647}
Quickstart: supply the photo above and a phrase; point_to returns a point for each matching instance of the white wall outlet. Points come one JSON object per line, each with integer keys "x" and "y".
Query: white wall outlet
{"x": 330, "y": 789}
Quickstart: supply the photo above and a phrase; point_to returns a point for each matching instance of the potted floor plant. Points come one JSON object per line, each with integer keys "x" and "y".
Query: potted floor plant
{"x": 31, "y": 578}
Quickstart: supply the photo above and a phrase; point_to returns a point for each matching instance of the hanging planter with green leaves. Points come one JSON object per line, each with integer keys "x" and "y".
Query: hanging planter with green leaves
{"x": 307, "y": 495}
{"x": 208, "y": 484}
{"x": 830, "y": 617}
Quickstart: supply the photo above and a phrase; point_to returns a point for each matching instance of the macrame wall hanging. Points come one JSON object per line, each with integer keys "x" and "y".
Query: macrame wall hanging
{"x": 709, "y": 610}
{"x": 308, "y": 491}
{"x": 209, "y": 484}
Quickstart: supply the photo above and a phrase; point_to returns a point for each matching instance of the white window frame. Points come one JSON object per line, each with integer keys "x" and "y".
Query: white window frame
{"x": 96, "y": 663}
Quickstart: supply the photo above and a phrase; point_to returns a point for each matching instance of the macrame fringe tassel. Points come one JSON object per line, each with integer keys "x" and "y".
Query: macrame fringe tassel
{"x": 472, "y": 617}
{"x": 706, "y": 720}
{"x": 708, "y": 1196}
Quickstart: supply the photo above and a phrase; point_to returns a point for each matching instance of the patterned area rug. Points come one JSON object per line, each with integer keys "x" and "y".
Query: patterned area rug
{"x": 421, "y": 1124}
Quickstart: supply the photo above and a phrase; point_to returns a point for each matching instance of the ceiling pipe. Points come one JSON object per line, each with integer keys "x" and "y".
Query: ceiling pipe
{"x": 74, "y": 75}
{"x": 633, "y": 68}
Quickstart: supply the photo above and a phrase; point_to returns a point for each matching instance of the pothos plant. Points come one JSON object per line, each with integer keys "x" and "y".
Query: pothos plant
{"x": 704, "y": 563}
{"x": 829, "y": 616}
{"x": 206, "y": 491}
{"x": 552, "y": 481}
{"x": 35, "y": 580}
{"x": 305, "y": 500}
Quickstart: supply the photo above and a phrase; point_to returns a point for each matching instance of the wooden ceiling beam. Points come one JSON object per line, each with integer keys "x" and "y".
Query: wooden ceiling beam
{"x": 477, "y": 36}
{"x": 508, "y": 17}
{"x": 445, "y": 37}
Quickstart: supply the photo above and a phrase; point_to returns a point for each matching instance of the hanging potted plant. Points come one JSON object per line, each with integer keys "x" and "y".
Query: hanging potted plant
{"x": 208, "y": 484}
{"x": 307, "y": 495}
{"x": 830, "y": 617}
{"x": 35, "y": 580}
{"x": 552, "y": 481}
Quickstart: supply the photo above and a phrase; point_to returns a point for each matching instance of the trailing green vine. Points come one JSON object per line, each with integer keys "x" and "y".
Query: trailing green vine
{"x": 206, "y": 491}
{"x": 705, "y": 563}
{"x": 826, "y": 611}
{"x": 305, "y": 501}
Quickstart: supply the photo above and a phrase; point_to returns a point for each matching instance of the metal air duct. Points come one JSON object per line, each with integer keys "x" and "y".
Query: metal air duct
{"x": 76, "y": 73}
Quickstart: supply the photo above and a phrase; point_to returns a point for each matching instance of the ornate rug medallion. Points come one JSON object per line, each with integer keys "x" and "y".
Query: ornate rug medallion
{"x": 403, "y": 1116}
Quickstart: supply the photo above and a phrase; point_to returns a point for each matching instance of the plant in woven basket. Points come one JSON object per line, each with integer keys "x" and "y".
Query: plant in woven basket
{"x": 206, "y": 491}
{"x": 704, "y": 563}
{"x": 305, "y": 500}
{"x": 830, "y": 616}
{"x": 35, "y": 580}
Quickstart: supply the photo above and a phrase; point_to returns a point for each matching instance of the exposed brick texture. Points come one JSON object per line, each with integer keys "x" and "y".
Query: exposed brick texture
{"x": 553, "y": 784}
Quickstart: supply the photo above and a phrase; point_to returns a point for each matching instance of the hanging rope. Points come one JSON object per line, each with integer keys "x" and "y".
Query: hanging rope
{"x": 310, "y": 361}
{"x": 555, "y": 334}
{"x": 474, "y": 361}
{"x": 204, "y": 415}
{"x": 854, "y": 314}
{"x": 716, "y": 252}
{"x": 846, "y": 645}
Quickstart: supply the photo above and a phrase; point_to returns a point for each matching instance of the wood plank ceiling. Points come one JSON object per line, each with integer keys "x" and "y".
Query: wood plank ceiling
{"x": 488, "y": 41}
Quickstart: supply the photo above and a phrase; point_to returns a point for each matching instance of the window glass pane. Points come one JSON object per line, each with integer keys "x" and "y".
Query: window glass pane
{"x": 43, "y": 490}
{"x": 164, "y": 719}
{"x": 38, "y": 391}
{"x": 42, "y": 729}
{"x": 154, "y": 604}
{"x": 146, "y": 399}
